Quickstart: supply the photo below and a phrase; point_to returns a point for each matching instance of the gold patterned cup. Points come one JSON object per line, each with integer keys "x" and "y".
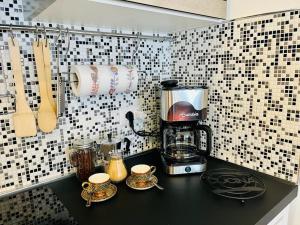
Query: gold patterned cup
{"x": 142, "y": 173}
{"x": 97, "y": 184}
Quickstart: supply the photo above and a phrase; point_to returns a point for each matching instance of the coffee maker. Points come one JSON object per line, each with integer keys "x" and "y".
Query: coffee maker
{"x": 182, "y": 107}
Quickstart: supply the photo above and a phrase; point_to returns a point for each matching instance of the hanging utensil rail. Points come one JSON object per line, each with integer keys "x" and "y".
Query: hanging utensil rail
{"x": 6, "y": 95}
{"x": 42, "y": 29}
{"x": 77, "y": 31}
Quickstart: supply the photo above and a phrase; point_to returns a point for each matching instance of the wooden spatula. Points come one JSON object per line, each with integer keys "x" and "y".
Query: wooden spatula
{"x": 23, "y": 119}
{"x": 46, "y": 114}
{"x": 47, "y": 65}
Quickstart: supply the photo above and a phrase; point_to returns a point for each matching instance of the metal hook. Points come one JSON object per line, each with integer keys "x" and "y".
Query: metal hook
{"x": 11, "y": 34}
{"x": 68, "y": 38}
{"x": 58, "y": 36}
{"x": 136, "y": 47}
{"x": 5, "y": 77}
{"x": 37, "y": 35}
{"x": 57, "y": 46}
{"x": 45, "y": 36}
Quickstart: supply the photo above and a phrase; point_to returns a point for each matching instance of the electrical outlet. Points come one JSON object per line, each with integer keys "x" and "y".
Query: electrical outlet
{"x": 122, "y": 119}
{"x": 139, "y": 118}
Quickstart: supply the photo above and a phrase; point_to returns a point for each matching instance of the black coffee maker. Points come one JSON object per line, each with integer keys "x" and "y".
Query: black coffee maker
{"x": 182, "y": 107}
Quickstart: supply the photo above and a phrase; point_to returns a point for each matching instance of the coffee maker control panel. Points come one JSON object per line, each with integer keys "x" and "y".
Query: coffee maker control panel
{"x": 175, "y": 169}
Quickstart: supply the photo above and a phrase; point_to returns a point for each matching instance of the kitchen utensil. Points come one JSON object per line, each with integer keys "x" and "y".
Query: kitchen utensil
{"x": 83, "y": 157}
{"x": 23, "y": 119}
{"x": 131, "y": 182}
{"x": 47, "y": 65}
{"x": 89, "y": 199}
{"x": 182, "y": 107}
{"x": 116, "y": 167}
{"x": 60, "y": 96}
{"x": 153, "y": 181}
{"x": 110, "y": 192}
{"x": 234, "y": 184}
{"x": 142, "y": 173}
{"x": 239, "y": 190}
{"x": 98, "y": 184}
{"x": 3, "y": 82}
{"x": 60, "y": 86}
{"x": 46, "y": 115}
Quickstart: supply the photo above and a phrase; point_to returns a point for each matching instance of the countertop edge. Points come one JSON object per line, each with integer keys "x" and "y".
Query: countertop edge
{"x": 268, "y": 217}
{"x": 36, "y": 185}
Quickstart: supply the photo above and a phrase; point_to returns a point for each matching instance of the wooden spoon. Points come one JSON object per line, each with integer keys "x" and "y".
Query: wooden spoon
{"x": 47, "y": 65}
{"x": 46, "y": 115}
{"x": 23, "y": 119}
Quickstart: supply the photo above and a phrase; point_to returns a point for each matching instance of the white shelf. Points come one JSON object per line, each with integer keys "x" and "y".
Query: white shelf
{"x": 121, "y": 15}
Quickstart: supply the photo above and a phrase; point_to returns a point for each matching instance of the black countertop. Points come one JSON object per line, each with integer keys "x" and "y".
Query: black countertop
{"x": 38, "y": 206}
{"x": 185, "y": 200}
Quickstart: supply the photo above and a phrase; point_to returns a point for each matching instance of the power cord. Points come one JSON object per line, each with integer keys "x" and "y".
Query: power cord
{"x": 129, "y": 115}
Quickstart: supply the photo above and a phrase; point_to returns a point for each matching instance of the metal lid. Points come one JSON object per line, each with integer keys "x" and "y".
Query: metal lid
{"x": 83, "y": 143}
{"x": 173, "y": 85}
{"x": 169, "y": 83}
{"x": 110, "y": 140}
{"x": 185, "y": 87}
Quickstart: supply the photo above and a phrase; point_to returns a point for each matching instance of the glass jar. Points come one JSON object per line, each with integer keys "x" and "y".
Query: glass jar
{"x": 83, "y": 157}
{"x": 116, "y": 167}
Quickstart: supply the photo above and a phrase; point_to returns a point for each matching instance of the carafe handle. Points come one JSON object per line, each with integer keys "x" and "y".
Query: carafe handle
{"x": 127, "y": 147}
{"x": 208, "y": 132}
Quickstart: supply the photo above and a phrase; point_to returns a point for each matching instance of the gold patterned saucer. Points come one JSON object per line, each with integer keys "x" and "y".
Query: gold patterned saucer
{"x": 110, "y": 192}
{"x": 130, "y": 181}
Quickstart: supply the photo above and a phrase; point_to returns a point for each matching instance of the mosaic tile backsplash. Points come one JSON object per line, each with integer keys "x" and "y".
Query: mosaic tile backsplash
{"x": 31, "y": 160}
{"x": 252, "y": 69}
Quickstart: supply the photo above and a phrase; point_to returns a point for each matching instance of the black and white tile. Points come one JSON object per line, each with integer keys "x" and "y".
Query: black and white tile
{"x": 31, "y": 160}
{"x": 252, "y": 69}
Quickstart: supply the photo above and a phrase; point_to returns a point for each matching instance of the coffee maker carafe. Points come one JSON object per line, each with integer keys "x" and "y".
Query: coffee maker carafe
{"x": 182, "y": 107}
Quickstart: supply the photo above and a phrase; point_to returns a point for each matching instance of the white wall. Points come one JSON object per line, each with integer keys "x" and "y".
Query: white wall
{"x": 215, "y": 8}
{"x": 244, "y": 8}
{"x": 294, "y": 214}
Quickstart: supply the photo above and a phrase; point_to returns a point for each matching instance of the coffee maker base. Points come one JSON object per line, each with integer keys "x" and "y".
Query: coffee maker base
{"x": 176, "y": 168}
